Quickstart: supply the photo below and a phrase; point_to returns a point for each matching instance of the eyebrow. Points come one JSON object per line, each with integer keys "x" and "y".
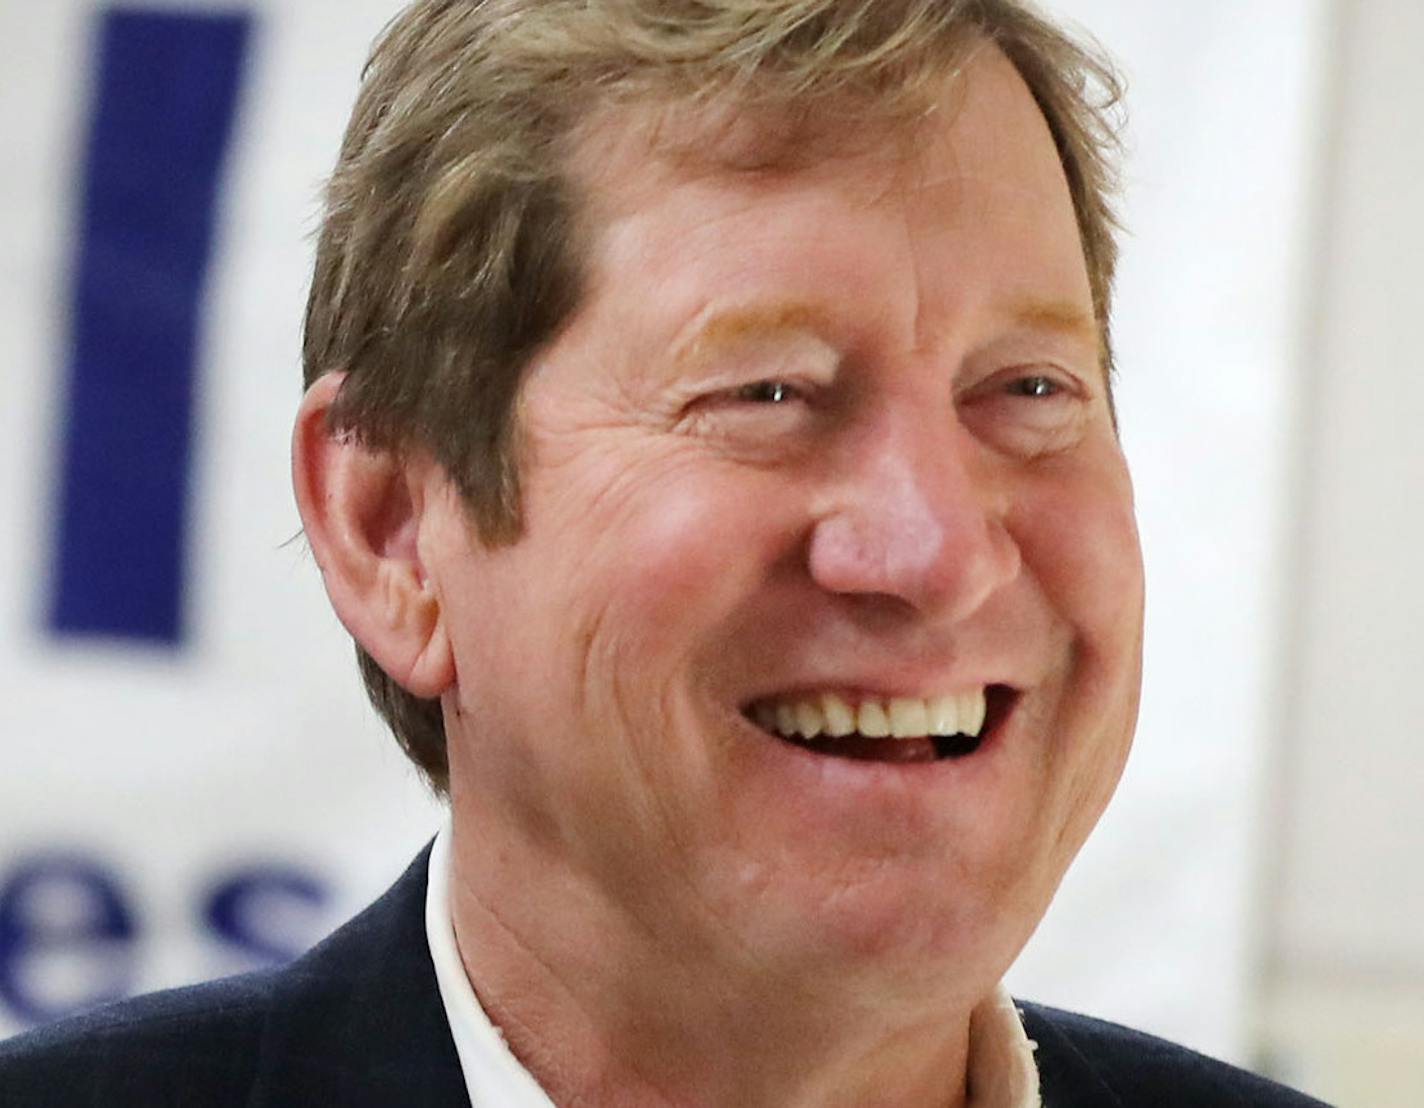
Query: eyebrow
{"x": 1061, "y": 316}
{"x": 726, "y": 328}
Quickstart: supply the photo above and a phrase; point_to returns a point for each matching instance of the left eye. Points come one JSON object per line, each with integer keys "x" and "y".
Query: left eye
{"x": 1034, "y": 385}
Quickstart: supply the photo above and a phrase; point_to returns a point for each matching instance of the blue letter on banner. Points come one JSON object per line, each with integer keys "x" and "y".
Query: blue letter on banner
{"x": 66, "y": 937}
{"x": 165, "y": 95}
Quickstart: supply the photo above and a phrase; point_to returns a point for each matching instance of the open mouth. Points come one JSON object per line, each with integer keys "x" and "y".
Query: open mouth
{"x": 899, "y": 729}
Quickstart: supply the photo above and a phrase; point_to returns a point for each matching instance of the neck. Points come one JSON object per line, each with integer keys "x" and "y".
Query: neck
{"x": 601, "y": 1012}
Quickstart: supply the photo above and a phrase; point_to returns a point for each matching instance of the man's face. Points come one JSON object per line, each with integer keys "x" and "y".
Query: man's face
{"x": 838, "y": 432}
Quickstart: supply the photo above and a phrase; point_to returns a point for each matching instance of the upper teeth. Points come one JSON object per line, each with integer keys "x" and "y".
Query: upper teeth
{"x": 900, "y": 717}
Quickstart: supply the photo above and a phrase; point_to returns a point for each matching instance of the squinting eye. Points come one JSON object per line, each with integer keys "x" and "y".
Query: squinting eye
{"x": 766, "y": 392}
{"x": 1035, "y": 386}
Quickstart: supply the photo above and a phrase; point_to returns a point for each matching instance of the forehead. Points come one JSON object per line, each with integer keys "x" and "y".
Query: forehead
{"x": 811, "y": 204}
{"x": 624, "y": 148}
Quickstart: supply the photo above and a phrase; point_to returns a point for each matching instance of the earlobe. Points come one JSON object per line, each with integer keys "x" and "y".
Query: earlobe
{"x": 361, "y": 511}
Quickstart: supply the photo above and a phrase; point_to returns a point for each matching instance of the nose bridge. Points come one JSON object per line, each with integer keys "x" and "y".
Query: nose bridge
{"x": 915, "y": 518}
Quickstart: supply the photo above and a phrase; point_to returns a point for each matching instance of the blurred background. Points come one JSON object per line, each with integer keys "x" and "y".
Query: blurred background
{"x": 191, "y": 783}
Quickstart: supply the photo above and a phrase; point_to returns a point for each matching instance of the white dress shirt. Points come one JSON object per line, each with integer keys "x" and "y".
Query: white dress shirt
{"x": 1002, "y": 1073}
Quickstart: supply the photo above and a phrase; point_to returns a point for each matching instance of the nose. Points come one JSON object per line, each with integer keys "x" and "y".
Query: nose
{"x": 916, "y": 517}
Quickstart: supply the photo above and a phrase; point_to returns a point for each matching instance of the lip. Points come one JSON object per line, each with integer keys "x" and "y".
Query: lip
{"x": 904, "y": 810}
{"x": 1003, "y": 703}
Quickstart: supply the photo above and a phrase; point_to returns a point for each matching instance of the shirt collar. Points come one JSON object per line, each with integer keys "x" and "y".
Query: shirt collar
{"x": 1002, "y": 1072}
{"x": 494, "y": 1077}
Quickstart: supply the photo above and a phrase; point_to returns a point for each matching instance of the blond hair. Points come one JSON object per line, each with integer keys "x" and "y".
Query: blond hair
{"x": 450, "y": 251}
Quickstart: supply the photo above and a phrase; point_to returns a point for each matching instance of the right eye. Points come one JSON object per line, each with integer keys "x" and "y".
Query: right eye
{"x": 767, "y": 392}
{"x": 760, "y": 419}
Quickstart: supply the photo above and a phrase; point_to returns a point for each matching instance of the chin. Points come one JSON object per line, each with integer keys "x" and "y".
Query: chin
{"x": 900, "y": 930}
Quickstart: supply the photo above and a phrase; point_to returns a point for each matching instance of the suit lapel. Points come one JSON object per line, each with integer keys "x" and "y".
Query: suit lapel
{"x": 1067, "y": 1079}
{"x": 358, "y": 1021}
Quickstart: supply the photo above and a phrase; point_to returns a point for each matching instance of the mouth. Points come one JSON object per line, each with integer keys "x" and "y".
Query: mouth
{"x": 892, "y": 729}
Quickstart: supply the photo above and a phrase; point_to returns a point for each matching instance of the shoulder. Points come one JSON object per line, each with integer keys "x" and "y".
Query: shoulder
{"x": 356, "y": 1021}
{"x": 1089, "y": 1061}
{"x": 144, "y": 1050}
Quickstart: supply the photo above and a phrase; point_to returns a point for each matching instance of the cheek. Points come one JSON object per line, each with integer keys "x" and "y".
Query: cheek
{"x": 1079, "y": 541}
{"x": 640, "y": 562}
{"x": 670, "y": 552}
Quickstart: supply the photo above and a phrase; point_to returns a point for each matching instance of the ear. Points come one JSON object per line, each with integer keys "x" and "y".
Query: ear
{"x": 362, "y": 510}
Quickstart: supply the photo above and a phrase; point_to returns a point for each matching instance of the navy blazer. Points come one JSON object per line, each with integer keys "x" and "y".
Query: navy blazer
{"x": 358, "y": 1022}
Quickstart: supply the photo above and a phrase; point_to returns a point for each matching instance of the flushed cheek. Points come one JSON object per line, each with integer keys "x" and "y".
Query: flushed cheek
{"x": 683, "y": 547}
{"x": 650, "y": 572}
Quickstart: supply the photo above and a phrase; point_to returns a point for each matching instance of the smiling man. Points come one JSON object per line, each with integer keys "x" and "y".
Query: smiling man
{"x": 709, "y": 444}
